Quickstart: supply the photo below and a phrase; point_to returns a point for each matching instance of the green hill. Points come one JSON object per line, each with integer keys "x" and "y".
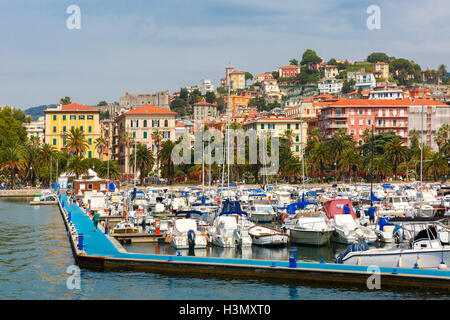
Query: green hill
{"x": 36, "y": 112}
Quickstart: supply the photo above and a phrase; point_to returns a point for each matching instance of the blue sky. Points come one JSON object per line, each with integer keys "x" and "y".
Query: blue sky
{"x": 147, "y": 46}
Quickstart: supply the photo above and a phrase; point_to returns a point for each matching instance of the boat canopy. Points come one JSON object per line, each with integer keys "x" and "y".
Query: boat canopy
{"x": 336, "y": 206}
{"x": 373, "y": 198}
{"x": 311, "y": 193}
{"x": 232, "y": 207}
{"x": 387, "y": 186}
{"x": 257, "y": 195}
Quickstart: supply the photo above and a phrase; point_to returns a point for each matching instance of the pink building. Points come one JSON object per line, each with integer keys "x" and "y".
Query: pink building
{"x": 357, "y": 115}
{"x": 289, "y": 71}
{"x": 141, "y": 123}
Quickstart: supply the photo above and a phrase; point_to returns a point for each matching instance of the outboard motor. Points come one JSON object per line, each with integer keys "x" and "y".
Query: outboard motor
{"x": 238, "y": 237}
{"x": 191, "y": 239}
{"x": 360, "y": 246}
{"x": 399, "y": 234}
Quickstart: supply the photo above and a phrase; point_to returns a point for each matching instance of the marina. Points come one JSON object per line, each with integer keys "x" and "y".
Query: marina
{"x": 106, "y": 254}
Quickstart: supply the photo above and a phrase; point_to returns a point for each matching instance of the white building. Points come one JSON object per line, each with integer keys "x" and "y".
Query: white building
{"x": 330, "y": 86}
{"x": 386, "y": 93}
{"x": 366, "y": 81}
{"x": 206, "y": 86}
{"x": 36, "y": 128}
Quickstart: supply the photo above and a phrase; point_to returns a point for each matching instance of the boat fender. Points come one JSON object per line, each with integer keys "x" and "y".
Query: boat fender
{"x": 238, "y": 237}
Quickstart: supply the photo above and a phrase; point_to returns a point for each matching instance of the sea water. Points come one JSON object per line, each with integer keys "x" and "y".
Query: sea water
{"x": 36, "y": 262}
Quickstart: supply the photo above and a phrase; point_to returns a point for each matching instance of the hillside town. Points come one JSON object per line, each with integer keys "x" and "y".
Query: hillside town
{"x": 324, "y": 112}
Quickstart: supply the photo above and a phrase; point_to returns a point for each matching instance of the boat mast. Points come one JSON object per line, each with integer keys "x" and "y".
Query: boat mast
{"x": 301, "y": 146}
{"x": 371, "y": 169}
{"x": 421, "y": 146}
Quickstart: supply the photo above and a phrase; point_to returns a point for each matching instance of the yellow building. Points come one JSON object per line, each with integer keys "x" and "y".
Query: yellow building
{"x": 237, "y": 79}
{"x": 278, "y": 127}
{"x": 381, "y": 70}
{"x": 60, "y": 120}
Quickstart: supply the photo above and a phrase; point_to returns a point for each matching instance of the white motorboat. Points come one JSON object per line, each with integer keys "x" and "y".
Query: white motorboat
{"x": 46, "y": 197}
{"x": 125, "y": 226}
{"x": 230, "y": 227}
{"x": 262, "y": 213}
{"x": 266, "y": 236}
{"x": 223, "y": 232}
{"x": 184, "y": 235}
{"x": 347, "y": 229}
{"x": 424, "y": 251}
{"x": 309, "y": 227}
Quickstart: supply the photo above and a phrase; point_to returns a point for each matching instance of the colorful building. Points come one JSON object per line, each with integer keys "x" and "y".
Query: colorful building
{"x": 331, "y": 71}
{"x": 357, "y": 115}
{"x": 141, "y": 123}
{"x": 381, "y": 70}
{"x": 60, "y": 120}
{"x": 288, "y": 71}
{"x": 278, "y": 127}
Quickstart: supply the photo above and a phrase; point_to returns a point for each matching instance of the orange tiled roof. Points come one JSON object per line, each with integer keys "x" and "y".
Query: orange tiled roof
{"x": 290, "y": 66}
{"x": 150, "y": 109}
{"x": 75, "y": 107}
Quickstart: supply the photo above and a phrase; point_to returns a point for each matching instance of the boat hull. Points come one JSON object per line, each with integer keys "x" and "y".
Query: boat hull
{"x": 310, "y": 237}
{"x": 425, "y": 258}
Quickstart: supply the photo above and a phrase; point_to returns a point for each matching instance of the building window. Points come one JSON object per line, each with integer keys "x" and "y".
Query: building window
{"x": 145, "y": 132}
{"x": 73, "y": 117}
{"x": 64, "y": 142}
{"x": 297, "y": 148}
{"x": 145, "y": 123}
{"x": 289, "y": 126}
{"x": 134, "y": 134}
{"x": 297, "y": 139}
{"x": 64, "y": 128}
{"x": 166, "y": 123}
{"x": 297, "y": 126}
{"x": 64, "y": 117}
{"x": 89, "y": 128}
{"x": 89, "y": 185}
{"x": 166, "y": 134}
{"x": 262, "y": 126}
{"x": 54, "y": 128}
{"x": 360, "y": 111}
{"x": 54, "y": 141}
{"x": 81, "y": 117}
{"x": 90, "y": 141}
{"x": 81, "y": 128}
{"x": 54, "y": 117}
{"x": 90, "y": 117}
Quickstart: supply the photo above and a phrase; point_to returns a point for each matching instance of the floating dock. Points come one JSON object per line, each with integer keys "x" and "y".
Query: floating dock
{"x": 95, "y": 249}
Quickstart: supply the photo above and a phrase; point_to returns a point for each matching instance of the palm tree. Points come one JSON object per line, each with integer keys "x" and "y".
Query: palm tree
{"x": 77, "y": 166}
{"x": 165, "y": 156}
{"x": 381, "y": 167}
{"x": 128, "y": 141}
{"x": 350, "y": 161}
{"x": 442, "y": 136}
{"x": 31, "y": 163}
{"x": 436, "y": 165}
{"x": 320, "y": 155}
{"x": 339, "y": 142}
{"x": 100, "y": 144}
{"x": 414, "y": 139}
{"x": 11, "y": 159}
{"x": 76, "y": 142}
{"x": 144, "y": 160}
{"x": 114, "y": 170}
{"x": 157, "y": 138}
{"x": 48, "y": 152}
{"x": 34, "y": 141}
{"x": 289, "y": 137}
{"x": 396, "y": 152}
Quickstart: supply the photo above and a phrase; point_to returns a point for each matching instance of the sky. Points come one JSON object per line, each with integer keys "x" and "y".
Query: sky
{"x": 145, "y": 46}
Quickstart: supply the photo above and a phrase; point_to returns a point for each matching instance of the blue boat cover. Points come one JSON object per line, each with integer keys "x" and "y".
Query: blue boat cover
{"x": 232, "y": 207}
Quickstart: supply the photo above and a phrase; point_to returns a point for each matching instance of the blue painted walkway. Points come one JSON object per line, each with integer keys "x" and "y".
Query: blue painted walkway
{"x": 97, "y": 244}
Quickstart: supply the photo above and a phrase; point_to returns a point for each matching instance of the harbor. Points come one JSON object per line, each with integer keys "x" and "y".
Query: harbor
{"x": 102, "y": 251}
